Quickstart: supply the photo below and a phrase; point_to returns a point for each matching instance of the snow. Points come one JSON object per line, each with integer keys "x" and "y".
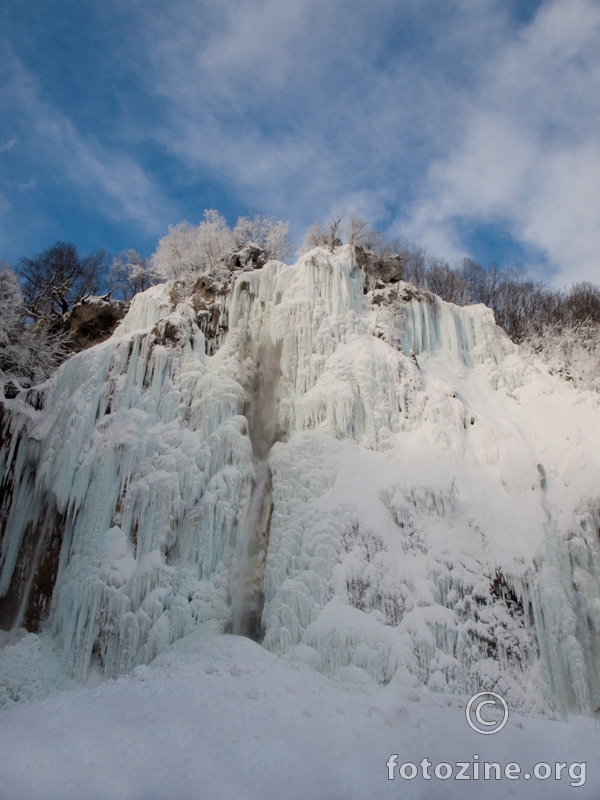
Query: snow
{"x": 145, "y": 310}
{"x": 412, "y": 539}
{"x": 29, "y": 668}
{"x": 219, "y": 717}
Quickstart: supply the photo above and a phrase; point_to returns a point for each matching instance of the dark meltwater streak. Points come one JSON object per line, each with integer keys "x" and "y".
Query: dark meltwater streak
{"x": 248, "y": 593}
{"x": 26, "y": 598}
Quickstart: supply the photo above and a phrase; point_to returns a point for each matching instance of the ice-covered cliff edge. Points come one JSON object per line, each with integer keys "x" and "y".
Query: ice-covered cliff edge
{"x": 430, "y": 510}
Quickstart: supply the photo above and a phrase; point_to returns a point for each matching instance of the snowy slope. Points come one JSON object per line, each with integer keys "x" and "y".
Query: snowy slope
{"x": 429, "y": 514}
{"x": 220, "y": 718}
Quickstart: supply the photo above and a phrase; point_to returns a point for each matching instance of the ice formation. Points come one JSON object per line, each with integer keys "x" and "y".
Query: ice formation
{"x": 378, "y": 480}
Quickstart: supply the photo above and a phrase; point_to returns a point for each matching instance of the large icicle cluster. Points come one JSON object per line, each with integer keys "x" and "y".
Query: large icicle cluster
{"x": 433, "y": 515}
{"x": 141, "y": 449}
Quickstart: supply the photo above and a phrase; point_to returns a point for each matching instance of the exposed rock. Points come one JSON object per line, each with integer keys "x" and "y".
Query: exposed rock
{"x": 93, "y": 320}
{"x": 398, "y": 293}
{"x": 379, "y": 270}
{"x": 27, "y": 600}
{"x": 168, "y": 334}
{"x": 208, "y": 301}
{"x": 250, "y": 257}
{"x": 11, "y": 390}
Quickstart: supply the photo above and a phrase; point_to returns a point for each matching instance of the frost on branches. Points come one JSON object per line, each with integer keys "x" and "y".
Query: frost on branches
{"x": 130, "y": 274}
{"x": 188, "y": 250}
{"x": 28, "y": 352}
{"x": 571, "y": 351}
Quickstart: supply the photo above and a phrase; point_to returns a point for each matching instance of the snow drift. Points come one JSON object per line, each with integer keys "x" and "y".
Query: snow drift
{"x": 429, "y": 510}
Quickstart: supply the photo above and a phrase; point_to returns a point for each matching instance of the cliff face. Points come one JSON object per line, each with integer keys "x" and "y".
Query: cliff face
{"x": 373, "y": 479}
{"x": 93, "y": 320}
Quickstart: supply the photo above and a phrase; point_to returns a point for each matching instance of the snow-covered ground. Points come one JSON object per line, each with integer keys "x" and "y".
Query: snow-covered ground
{"x": 221, "y": 718}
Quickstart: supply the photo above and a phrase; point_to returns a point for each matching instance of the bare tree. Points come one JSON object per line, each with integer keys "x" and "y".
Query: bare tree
{"x": 415, "y": 263}
{"x": 318, "y": 236}
{"x": 583, "y": 303}
{"x": 444, "y": 281}
{"x": 315, "y": 236}
{"x": 28, "y": 351}
{"x": 333, "y": 231}
{"x": 358, "y": 232}
{"x": 58, "y": 278}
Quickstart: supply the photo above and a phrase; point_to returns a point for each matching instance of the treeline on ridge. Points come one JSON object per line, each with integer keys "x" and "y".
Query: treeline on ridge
{"x": 37, "y": 296}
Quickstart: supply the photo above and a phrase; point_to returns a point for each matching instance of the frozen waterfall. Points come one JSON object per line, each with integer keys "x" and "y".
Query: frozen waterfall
{"x": 248, "y": 592}
{"x": 305, "y": 481}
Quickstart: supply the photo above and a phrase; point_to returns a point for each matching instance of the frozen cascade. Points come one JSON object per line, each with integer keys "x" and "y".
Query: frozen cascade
{"x": 389, "y": 453}
{"x": 248, "y": 591}
{"x": 143, "y": 451}
{"x": 566, "y": 606}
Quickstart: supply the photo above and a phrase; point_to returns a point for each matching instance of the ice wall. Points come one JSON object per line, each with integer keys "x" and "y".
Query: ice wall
{"x": 378, "y": 490}
{"x": 141, "y": 448}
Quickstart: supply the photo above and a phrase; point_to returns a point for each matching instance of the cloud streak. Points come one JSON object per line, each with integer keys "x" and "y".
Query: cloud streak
{"x": 307, "y": 107}
{"x": 530, "y": 158}
{"x": 56, "y": 153}
{"x": 434, "y": 120}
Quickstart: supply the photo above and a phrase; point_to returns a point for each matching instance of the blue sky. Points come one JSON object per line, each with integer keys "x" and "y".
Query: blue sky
{"x": 469, "y": 127}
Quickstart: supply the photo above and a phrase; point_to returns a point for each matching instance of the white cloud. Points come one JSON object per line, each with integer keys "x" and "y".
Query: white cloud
{"x": 111, "y": 181}
{"x": 301, "y": 107}
{"x": 530, "y": 158}
{"x": 428, "y": 118}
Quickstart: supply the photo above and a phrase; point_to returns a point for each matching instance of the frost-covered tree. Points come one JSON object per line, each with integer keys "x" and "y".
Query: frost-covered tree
{"x": 357, "y": 230}
{"x": 28, "y": 351}
{"x": 214, "y": 238}
{"x": 268, "y": 233}
{"x": 315, "y": 236}
{"x": 359, "y": 233}
{"x": 319, "y": 236}
{"x": 177, "y": 254}
{"x": 189, "y": 249}
{"x": 130, "y": 273}
{"x": 46, "y": 347}
{"x": 59, "y": 277}
{"x": 11, "y": 306}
